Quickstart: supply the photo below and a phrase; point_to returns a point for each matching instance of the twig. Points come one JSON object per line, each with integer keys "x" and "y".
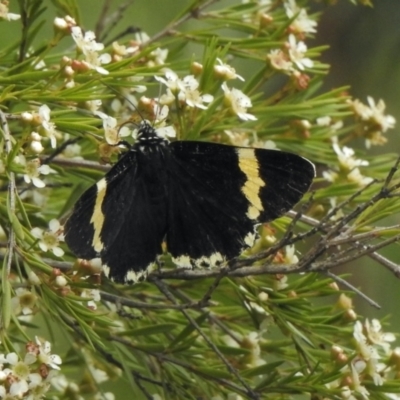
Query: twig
{"x": 171, "y": 27}
{"x": 59, "y": 150}
{"x": 70, "y": 162}
{"x": 353, "y": 288}
{"x": 164, "y": 289}
{"x": 108, "y": 20}
{"x": 142, "y": 305}
{"x": 323, "y": 265}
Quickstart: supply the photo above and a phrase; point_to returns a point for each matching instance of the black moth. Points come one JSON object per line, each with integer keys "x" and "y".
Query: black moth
{"x": 203, "y": 199}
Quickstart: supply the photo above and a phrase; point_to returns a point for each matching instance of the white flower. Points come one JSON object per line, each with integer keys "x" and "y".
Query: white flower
{"x": 238, "y": 137}
{"x": 18, "y": 389}
{"x": 94, "y": 61}
{"x": 357, "y": 177}
{"x": 297, "y": 53}
{"x": 43, "y": 354}
{"x": 49, "y": 127}
{"x": 112, "y": 133}
{"x": 122, "y": 50}
{"x": 141, "y": 37}
{"x": 41, "y": 120}
{"x": 50, "y": 239}
{"x": 238, "y": 102}
{"x": 86, "y": 42}
{"x": 326, "y": 121}
{"x": 93, "y": 105}
{"x": 166, "y": 132}
{"x": 374, "y": 113}
{"x": 171, "y": 81}
{"x": 290, "y": 256}
{"x": 72, "y": 151}
{"x": 346, "y": 157}
{"x": 33, "y": 170}
{"x": 89, "y": 47}
{"x": 375, "y": 122}
{"x": 357, "y": 387}
{"x": 23, "y": 302}
{"x": 365, "y": 350}
{"x": 279, "y": 60}
{"x": 263, "y": 8}
{"x": 98, "y": 375}
{"x": 225, "y": 71}
{"x": 18, "y": 374}
{"x": 60, "y": 382}
{"x": 158, "y": 57}
{"x": 186, "y": 90}
{"x": 302, "y": 23}
{"x": 190, "y": 95}
{"x": 94, "y": 295}
{"x": 377, "y": 337}
{"x": 4, "y": 14}
{"x": 280, "y": 282}
{"x": 349, "y": 166}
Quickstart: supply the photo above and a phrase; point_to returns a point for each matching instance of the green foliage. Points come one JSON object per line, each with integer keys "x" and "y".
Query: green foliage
{"x": 272, "y": 324}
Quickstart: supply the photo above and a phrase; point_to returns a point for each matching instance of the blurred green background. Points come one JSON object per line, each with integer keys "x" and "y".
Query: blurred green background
{"x": 365, "y": 53}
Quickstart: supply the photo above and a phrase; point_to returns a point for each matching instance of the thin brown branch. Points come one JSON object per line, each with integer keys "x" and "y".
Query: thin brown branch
{"x": 77, "y": 163}
{"x": 353, "y": 289}
{"x": 171, "y": 27}
{"x": 323, "y": 265}
{"x": 108, "y": 20}
{"x": 123, "y": 301}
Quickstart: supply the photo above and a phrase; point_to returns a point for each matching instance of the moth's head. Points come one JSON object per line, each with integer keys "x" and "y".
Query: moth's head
{"x": 146, "y": 131}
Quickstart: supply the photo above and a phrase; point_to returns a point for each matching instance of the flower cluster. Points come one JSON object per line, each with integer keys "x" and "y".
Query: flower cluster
{"x": 28, "y": 378}
{"x": 348, "y": 168}
{"x": 40, "y": 120}
{"x": 86, "y": 43}
{"x": 373, "y": 121}
{"x": 184, "y": 90}
{"x": 373, "y": 359}
{"x": 292, "y": 58}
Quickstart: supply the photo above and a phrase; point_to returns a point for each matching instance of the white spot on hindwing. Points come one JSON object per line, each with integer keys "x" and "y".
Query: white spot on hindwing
{"x": 130, "y": 276}
{"x": 214, "y": 260}
{"x": 250, "y": 238}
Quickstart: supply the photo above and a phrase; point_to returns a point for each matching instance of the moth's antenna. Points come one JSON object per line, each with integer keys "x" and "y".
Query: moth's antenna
{"x": 130, "y": 102}
{"x": 158, "y": 106}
